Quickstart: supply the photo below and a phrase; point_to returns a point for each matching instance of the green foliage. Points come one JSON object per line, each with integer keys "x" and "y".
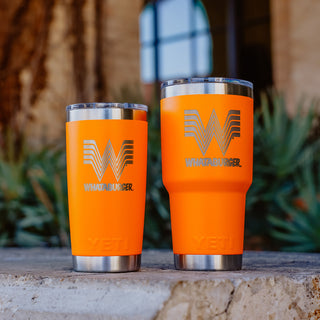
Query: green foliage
{"x": 157, "y": 231}
{"x": 33, "y": 202}
{"x": 49, "y": 183}
{"x": 281, "y": 148}
{"x": 281, "y": 139}
{"x": 14, "y": 199}
{"x": 299, "y": 229}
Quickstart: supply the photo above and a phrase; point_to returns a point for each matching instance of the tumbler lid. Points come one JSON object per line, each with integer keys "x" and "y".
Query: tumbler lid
{"x": 210, "y": 85}
{"x": 107, "y": 105}
{"x": 106, "y": 111}
{"x": 207, "y": 80}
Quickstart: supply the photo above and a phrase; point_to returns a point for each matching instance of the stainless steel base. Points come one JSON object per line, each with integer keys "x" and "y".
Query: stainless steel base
{"x": 107, "y": 264}
{"x": 208, "y": 262}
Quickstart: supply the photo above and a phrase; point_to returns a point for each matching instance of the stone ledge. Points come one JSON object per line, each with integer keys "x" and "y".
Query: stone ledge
{"x": 39, "y": 284}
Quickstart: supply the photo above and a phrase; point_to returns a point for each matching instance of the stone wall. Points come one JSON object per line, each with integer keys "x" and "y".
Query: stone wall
{"x": 54, "y": 53}
{"x": 296, "y": 45}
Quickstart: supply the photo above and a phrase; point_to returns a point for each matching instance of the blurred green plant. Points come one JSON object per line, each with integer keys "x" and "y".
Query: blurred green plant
{"x": 299, "y": 229}
{"x": 282, "y": 146}
{"x": 48, "y": 178}
{"x": 157, "y": 230}
{"x": 33, "y": 202}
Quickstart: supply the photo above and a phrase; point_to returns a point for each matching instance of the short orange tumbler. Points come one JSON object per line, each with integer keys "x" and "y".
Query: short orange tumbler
{"x": 106, "y": 167}
{"x": 207, "y": 151}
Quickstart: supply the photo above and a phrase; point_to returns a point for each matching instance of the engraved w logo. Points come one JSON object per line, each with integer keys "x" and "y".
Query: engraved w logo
{"x": 91, "y": 155}
{"x": 193, "y": 127}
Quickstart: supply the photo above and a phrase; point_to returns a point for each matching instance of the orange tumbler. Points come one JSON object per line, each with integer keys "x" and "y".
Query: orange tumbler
{"x": 106, "y": 168}
{"x": 207, "y": 151}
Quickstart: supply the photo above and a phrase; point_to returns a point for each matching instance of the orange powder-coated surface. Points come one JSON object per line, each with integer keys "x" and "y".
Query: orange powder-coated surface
{"x": 207, "y": 201}
{"x": 106, "y": 223}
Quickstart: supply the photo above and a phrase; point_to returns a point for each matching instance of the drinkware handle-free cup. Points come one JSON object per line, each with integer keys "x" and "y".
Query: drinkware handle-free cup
{"x": 106, "y": 169}
{"x": 207, "y": 151}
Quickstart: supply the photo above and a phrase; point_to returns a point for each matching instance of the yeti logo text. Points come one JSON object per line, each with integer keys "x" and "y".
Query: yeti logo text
{"x": 193, "y": 127}
{"x": 91, "y": 155}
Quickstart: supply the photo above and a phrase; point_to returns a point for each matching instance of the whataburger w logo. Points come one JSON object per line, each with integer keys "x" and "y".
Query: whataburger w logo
{"x": 193, "y": 127}
{"x": 91, "y": 155}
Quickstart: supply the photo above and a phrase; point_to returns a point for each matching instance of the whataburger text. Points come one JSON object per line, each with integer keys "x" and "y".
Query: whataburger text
{"x": 108, "y": 187}
{"x": 213, "y": 162}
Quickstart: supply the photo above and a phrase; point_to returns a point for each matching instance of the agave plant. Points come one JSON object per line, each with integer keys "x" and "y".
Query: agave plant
{"x": 33, "y": 198}
{"x": 299, "y": 230}
{"x": 282, "y": 138}
{"x": 157, "y": 231}
{"x": 13, "y": 196}
{"x": 47, "y": 175}
{"x": 281, "y": 147}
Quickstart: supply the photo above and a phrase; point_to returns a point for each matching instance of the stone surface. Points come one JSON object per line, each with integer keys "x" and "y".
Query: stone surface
{"x": 40, "y": 284}
{"x": 295, "y": 48}
{"x": 55, "y": 53}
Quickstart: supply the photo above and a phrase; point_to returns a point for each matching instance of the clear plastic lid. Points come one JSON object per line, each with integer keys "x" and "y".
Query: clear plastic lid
{"x": 107, "y": 105}
{"x": 206, "y": 80}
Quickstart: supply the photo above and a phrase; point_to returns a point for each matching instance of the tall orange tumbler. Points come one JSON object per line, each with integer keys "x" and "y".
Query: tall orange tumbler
{"x": 106, "y": 169}
{"x": 207, "y": 151}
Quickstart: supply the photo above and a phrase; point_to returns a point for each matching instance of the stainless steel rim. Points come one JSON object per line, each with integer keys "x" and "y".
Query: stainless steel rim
{"x": 193, "y": 86}
{"x": 107, "y": 263}
{"x": 104, "y": 111}
{"x": 208, "y": 262}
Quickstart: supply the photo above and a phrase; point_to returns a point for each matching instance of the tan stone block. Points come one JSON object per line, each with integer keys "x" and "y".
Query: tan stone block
{"x": 198, "y": 300}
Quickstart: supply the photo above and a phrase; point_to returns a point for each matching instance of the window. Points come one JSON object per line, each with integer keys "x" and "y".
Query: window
{"x": 175, "y": 40}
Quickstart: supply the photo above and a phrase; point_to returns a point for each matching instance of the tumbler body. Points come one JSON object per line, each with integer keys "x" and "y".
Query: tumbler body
{"x": 207, "y": 151}
{"x": 106, "y": 168}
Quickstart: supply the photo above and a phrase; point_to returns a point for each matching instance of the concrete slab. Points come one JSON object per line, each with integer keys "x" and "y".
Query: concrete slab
{"x": 40, "y": 284}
